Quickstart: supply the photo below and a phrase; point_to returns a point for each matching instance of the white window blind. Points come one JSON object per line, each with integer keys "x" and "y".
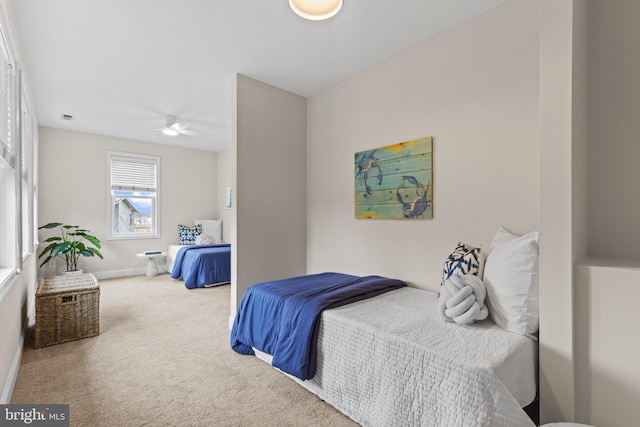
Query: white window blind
{"x": 7, "y": 71}
{"x": 133, "y": 173}
{"x": 26, "y": 136}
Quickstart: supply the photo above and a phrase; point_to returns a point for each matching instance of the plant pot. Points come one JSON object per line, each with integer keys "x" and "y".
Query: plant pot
{"x": 72, "y": 273}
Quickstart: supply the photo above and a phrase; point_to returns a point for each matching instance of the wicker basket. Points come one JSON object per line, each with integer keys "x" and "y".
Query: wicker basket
{"x": 67, "y": 309}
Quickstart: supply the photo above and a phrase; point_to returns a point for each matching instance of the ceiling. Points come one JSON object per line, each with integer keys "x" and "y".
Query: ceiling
{"x": 120, "y": 66}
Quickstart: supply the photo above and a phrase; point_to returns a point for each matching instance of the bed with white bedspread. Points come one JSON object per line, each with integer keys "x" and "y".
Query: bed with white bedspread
{"x": 406, "y": 356}
{"x": 391, "y": 361}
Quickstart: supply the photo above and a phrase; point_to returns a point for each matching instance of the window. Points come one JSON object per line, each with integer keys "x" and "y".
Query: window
{"x": 10, "y": 256}
{"x": 133, "y": 196}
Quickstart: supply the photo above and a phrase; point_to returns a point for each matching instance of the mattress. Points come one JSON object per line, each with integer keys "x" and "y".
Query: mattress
{"x": 391, "y": 360}
{"x": 172, "y": 251}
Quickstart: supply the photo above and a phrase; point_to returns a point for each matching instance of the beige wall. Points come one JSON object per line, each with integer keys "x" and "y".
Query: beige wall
{"x": 269, "y": 185}
{"x": 480, "y": 90}
{"x": 607, "y": 347}
{"x": 475, "y": 90}
{"x": 606, "y": 323}
{"x": 614, "y": 102}
{"x": 563, "y": 219}
{"x": 224, "y": 179}
{"x": 73, "y": 189}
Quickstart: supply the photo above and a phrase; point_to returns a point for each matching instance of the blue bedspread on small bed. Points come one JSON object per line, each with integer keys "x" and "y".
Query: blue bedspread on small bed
{"x": 203, "y": 265}
{"x": 282, "y": 317}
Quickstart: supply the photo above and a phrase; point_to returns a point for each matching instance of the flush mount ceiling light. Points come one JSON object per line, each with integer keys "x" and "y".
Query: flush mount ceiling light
{"x": 316, "y": 10}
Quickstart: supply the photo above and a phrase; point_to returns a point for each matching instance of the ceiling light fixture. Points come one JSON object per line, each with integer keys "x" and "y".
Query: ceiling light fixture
{"x": 170, "y": 132}
{"x": 316, "y": 10}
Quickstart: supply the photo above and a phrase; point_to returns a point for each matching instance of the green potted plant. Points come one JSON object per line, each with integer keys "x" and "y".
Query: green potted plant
{"x": 72, "y": 243}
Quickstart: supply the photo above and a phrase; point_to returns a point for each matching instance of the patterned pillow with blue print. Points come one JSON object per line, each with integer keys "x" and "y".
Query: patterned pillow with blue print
{"x": 188, "y": 235}
{"x": 465, "y": 259}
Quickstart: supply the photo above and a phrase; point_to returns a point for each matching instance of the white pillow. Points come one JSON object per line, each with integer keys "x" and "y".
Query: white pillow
{"x": 511, "y": 278}
{"x": 212, "y": 228}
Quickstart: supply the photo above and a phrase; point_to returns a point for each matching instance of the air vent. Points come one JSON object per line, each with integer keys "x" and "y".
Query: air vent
{"x": 66, "y": 117}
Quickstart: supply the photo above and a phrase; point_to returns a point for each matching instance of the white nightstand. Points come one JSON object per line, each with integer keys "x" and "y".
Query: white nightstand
{"x": 153, "y": 269}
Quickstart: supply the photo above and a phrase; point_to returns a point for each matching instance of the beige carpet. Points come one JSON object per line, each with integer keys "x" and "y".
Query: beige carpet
{"x": 163, "y": 359}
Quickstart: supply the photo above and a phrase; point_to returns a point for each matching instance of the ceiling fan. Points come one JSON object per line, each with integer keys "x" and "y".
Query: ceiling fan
{"x": 174, "y": 128}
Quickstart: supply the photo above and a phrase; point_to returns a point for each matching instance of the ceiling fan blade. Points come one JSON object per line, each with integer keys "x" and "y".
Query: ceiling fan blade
{"x": 155, "y": 123}
{"x": 171, "y": 121}
{"x": 187, "y": 132}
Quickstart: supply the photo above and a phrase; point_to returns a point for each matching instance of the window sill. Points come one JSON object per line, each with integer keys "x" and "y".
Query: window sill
{"x": 7, "y": 275}
{"x": 133, "y": 237}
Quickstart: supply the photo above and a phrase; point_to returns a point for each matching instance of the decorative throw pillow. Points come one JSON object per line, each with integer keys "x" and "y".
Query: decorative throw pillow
{"x": 212, "y": 228}
{"x": 203, "y": 239}
{"x": 511, "y": 278}
{"x": 188, "y": 235}
{"x": 465, "y": 259}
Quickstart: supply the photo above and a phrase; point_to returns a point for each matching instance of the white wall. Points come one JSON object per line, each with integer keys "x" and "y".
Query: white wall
{"x": 475, "y": 90}
{"x": 73, "y": 189}
{"x": 17, "y": 311}
{"x": 17, "y": 299}
{"x": 269, "y": 185}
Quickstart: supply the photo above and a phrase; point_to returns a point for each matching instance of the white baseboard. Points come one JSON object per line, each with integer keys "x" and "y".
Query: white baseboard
{"x": 10, "y": 383}
{"x": 114, "y": 274}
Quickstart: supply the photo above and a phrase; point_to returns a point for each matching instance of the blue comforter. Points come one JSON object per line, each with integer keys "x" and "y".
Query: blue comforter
{"x": 282, "y": 318}
{"x": 203, "y": 265}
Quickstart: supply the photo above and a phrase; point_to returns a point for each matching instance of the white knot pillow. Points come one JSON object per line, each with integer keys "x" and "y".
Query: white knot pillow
{"x": 203, "y": 239}
{"x": 462, "y": 299}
